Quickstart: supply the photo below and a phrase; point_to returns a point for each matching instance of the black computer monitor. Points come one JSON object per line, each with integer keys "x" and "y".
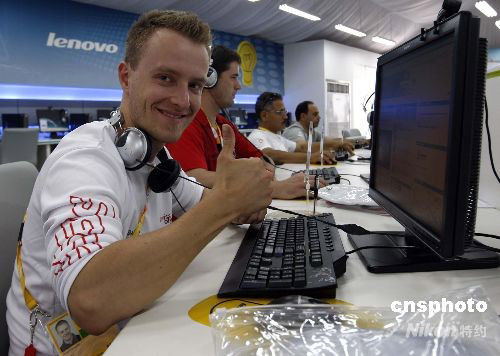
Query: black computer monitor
{"x": 52, "y": 121}
{"x": 14, "y": 120}
{"x": 426, "y": 150}
{"x": 78, "y": 119}
{"x": 252, "y": 120}
{"x": 103, "y": 114}
{"x": 238, "y": 117}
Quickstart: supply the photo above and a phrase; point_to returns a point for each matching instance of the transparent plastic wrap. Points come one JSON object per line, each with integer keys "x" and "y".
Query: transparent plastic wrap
{"x": 312, "y": 329}
{"x": 346, "y": 195}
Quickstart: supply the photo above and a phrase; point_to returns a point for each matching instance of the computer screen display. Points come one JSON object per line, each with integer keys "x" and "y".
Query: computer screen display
{"x": 52, "y": 120}
{"x": 14, "y": 120}
{"x": 103, "y": 114}
{"x": 426, "y": 147}
{"x": 413, "y": 132}
{"x": 77, "y": 120}
{"x": 238, "y": 117}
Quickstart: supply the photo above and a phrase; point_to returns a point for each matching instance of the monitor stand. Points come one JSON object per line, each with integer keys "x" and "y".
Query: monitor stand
{"x": 392, "y": 260}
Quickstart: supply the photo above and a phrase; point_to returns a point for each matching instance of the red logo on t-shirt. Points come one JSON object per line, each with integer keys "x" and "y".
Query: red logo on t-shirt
{"x": 80, "y": 232}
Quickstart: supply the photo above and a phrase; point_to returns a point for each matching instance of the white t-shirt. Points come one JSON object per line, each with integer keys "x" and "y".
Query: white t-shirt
{"x": 83, "y": 200}
{"x": 267, "y": 139}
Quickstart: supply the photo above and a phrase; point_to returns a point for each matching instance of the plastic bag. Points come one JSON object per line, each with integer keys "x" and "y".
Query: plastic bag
{"x": 346, "y": 195}
{"x": 311, "y": 329}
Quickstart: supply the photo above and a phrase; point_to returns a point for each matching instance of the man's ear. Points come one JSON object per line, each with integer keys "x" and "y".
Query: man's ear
{"x": 263, "y": 116}
{"x": 123, "y": 75}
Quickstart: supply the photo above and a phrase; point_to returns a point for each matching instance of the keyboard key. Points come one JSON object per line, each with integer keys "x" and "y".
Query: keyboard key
{"x": 268, "y": 251}
{"x": 253, "y": 284}
{"x": 278, "y": 251}
{"x": 280, "y": 283}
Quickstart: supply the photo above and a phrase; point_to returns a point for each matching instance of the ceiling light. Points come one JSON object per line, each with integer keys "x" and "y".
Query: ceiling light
{"x": 253, "y": 0}
{"x": 350, "y": 30}
{"x": 383, "y": 41}
{"x": 486, "y": 9}
{"x": 297, "y": 12}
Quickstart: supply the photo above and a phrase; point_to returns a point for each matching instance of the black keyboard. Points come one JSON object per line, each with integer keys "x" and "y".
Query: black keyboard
{"x": 329, "y": 174}
{"x": 288, "y": 256}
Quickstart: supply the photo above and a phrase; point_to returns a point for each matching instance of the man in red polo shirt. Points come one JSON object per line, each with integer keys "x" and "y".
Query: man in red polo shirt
{"x": 198, "y": 148}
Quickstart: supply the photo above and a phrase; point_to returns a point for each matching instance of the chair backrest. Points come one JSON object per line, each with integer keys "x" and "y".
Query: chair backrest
{"x": 19, "y": 145}
{"x": 16, "y": 184}
{"x": 345, "y": 133}
{"x": 355, "y": 132}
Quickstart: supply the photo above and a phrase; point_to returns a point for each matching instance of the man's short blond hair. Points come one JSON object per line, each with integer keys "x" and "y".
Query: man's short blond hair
{"x": 185, "y": 23}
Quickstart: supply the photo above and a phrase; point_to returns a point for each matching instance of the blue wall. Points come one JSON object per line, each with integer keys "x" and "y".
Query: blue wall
{"x": 31, "y": 56}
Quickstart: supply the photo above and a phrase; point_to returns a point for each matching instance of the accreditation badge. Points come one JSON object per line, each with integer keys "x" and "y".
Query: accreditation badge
{"x": 69, "y": 339}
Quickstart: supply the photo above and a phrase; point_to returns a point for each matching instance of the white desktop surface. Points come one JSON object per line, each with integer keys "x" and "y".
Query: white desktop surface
{"x": 166, "y": 329}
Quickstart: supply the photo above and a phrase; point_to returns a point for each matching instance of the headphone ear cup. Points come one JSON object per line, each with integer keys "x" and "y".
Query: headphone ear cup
{"x": 134, "y": 147}
{"x": 212, "y": 77}
{"x": 164, "y": 175}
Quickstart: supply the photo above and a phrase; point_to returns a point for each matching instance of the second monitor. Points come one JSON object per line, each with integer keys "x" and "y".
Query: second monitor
{"x": 52, "y": 121}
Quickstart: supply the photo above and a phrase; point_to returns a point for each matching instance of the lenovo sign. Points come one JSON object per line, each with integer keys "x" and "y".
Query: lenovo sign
{"x": 60, "y": 42}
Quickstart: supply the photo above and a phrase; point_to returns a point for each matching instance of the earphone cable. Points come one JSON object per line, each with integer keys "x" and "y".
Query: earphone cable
{"x": 177, "y": 200}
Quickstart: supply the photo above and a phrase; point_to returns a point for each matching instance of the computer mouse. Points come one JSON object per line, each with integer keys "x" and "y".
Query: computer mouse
{"x": 296, "y": 299}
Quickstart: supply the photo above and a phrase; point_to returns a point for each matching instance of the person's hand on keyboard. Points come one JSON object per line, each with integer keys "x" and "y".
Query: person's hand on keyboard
{"x": 328, "y": 157}
{"x": 294, "y": 187}
{"x": 243, "y": 185}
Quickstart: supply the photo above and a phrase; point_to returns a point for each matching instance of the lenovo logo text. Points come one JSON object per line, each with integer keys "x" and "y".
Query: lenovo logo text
{"x": 60, "y": 42}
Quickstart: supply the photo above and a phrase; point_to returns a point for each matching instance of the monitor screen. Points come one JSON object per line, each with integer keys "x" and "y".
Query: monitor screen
{"x": 52, "y": 120}
{"x": 426, "y": 150}
{"x": 252, "y": 120}
{"x": 76, "y": 120}
{"x": 412, "y": 136}
{"x": 238, "y": 117}
{"x": 14, "y": 120}
{"x": 103, "y": 114}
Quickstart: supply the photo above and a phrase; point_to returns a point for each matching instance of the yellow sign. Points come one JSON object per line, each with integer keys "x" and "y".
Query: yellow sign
{"x": 201, "y": 311}
{"x": 248, "y": 55}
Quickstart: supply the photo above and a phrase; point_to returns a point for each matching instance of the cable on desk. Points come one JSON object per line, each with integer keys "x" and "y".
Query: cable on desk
{"x": 367, "y": 247}
{"x": 212, "y": 309}
{"x": 353, "y": 175}
{"x": 348, "y": 181}
{"x": 489, "y": 140}
{"x": 487, "y": 235}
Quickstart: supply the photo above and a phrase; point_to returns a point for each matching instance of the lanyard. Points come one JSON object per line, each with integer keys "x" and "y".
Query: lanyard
{"x": 264, "y": 129}
{"x": 138, "y": 228}
{"x": 29, "y": 300}
{"x": 216, "y": 131}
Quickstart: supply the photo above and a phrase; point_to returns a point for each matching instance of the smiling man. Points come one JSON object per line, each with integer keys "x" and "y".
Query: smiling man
{"x": 98, "y": 245}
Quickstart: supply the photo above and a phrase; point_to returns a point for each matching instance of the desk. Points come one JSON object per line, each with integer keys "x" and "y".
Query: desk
{"x": 166, "y": 329}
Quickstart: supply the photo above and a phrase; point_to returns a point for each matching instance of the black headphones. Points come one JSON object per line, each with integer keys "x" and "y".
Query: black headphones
{"x": 212, "y": 76}
{"x": 134, "y": 147}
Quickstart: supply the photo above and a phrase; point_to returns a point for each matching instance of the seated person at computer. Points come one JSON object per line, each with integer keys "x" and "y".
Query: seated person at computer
{"x": 99, "y": 244}
{"x": 271, "y": 113}
{"x": 199, "y": 146}
{"x": 305, "y": 113}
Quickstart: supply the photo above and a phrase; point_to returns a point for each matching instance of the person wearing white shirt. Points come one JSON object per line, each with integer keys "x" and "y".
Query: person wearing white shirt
{"x": 272, "y": 116}
{"x": 307, "y": 112}
{"x": 98, "y": 245}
